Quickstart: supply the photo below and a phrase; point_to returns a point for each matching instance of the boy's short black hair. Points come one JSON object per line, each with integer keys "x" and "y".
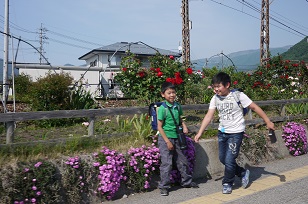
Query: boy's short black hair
{"x": 222, "y": 78}
{"x": 167, "y": 85}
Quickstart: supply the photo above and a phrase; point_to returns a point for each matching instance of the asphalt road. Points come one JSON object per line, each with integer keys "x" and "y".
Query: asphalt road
{"x": 286, "y": 187}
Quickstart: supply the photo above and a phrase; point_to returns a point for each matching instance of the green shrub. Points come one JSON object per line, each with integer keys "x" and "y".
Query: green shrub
{"x": 51, "y": 92}
{"x": 23, "y": 85}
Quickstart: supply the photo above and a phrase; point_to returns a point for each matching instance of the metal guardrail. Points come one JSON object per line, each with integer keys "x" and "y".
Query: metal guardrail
{"x": 10, "y": 118}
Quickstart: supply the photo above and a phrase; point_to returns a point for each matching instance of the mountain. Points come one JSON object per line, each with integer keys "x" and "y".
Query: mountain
{"x": 298, "y": 52}
{"x": 242, "y": 60}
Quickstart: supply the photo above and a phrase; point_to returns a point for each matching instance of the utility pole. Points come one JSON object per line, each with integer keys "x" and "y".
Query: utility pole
{"x": 185, "y": 33}
{"x": 42, "y": 41}
{"x": 5, "y": 54}
{"x": 264, "y": 37}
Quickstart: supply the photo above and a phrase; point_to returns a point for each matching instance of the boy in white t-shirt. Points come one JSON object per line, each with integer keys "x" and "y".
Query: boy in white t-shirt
{"x": 231, "y": 128}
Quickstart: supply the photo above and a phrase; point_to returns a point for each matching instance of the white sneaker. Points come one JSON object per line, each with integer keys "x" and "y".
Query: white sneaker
{"x": 245, "y": 179}
{"x": 226, "y": 188}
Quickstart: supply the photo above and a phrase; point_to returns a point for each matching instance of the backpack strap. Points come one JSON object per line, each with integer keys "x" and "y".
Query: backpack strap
{"x": 236, "y": 95}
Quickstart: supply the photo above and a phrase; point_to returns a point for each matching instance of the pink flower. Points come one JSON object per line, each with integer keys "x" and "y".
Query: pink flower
{"x": 38, "y": 164}
{"x": 85, "y": 124}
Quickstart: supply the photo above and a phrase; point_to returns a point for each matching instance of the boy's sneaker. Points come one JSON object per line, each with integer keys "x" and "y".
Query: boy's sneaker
{"x": 245, "y": 179}
{"x": 164, "y": 192}
{"x": 226, "y": 188}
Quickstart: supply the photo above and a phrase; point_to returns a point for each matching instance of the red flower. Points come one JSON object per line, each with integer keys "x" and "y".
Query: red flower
{"x": 295, "y": 65}
{"x": 157, "y": 70}
{"x": 159, "y": 74}
{"x": 287, "y": 76}
{"x": 177, "y": 74}
{"x": 124, "y": 69}
{"x": 235, "y": 82}
{"x": 286, "y": 67}
{"x": 141, "y": 74}
{"x": 151, "y": 87}
{"x": 152, "y": 69}
{"x": 171, "y": 80}
{"x": 171, "y": 57}
{"x": 249, "y": 75}
{"x": 268, "y": 66}
{"x": 178, "y": 80}
{"x": 189, "y": 70}
{"x": 287, "y": 61}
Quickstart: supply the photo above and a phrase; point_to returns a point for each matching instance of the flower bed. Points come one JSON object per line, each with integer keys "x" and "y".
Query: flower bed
{"x": 294, "y": 135}
{"x": 82, "y": 180}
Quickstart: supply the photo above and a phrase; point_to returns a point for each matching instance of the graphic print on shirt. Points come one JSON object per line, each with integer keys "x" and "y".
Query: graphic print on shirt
{"x": 225, "y": 110}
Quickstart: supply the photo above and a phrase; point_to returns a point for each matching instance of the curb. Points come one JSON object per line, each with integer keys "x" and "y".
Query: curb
{"x": 207, "y": 162}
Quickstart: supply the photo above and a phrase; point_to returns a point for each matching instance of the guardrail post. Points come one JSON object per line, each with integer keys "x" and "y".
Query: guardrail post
{"x": 9, "y": 126}
{"x": 283, "y": 110}
{"x": 91, "y": 126}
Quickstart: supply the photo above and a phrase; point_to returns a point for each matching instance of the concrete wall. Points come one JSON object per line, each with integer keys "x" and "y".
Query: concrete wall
{"x": 207, "y": 161}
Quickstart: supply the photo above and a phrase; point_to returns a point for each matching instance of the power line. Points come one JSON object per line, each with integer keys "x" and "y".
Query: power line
{"x": 28, "y": 44}
{"x": 256, "y": 9}
{"x": 292, "y": 22}
{"x": 19, "y": 28}
{"x": 69, "y": 44}
{"x": 230, "y": 7}
{"x": 73, "y": 38}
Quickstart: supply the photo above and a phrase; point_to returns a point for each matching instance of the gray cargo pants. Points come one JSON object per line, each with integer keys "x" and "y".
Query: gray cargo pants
{"x": 167, "y": 157}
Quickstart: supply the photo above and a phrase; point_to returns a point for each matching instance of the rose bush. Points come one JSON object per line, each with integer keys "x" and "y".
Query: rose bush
{"x": 144, "y": 84}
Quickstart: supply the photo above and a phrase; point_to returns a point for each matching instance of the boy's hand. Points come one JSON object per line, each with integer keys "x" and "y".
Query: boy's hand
{"x": 185, "y": 130}
{"x": 270, "y": 125}
{"x": 197, "y": 137}
{"x": 170, "y": 145}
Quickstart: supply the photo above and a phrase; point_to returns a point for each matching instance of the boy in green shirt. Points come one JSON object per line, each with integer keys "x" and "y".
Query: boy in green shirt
{"x": 168, "y": 141}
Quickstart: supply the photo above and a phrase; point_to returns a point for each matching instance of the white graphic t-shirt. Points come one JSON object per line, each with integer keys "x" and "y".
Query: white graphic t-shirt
{"x": 231, "y": 119}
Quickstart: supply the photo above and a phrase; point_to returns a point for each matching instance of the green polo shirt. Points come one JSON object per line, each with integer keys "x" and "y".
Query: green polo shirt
{"x": 165, "y": 115}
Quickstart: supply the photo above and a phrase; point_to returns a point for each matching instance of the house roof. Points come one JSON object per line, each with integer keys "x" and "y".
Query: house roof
{"x": 138, "y": 48}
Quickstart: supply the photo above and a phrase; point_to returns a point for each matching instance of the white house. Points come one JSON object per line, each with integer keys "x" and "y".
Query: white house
{"x": 101, "y": 66}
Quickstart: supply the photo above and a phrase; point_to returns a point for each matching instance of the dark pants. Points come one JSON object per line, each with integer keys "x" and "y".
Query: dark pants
{"x": 229, "y": 148}
{"x": 167, "y": 157}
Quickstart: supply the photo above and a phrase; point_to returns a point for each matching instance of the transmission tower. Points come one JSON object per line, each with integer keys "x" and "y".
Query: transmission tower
{"x": 264, "y": 37}
{"x": 185, "y": 33}
{"x": 43, "y": 38}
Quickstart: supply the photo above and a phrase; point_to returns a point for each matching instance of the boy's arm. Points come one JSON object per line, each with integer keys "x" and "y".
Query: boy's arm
{"x": 205, "y": 122}
{"x": 270, "y": 125}
{"x": 163, "y": 134}
{"x": 185, "y": 129}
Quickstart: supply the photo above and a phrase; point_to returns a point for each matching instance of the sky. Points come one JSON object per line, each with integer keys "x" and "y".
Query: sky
{"x": 74, "y": 27}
